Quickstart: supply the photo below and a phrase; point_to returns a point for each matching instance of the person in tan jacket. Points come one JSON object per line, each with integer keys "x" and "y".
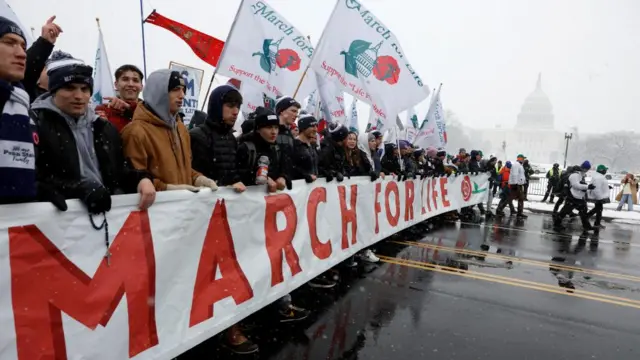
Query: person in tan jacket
{"x": 157, "y": 141}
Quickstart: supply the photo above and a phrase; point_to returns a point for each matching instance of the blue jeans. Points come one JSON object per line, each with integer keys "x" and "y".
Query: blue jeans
{"x": 628, "y": 199}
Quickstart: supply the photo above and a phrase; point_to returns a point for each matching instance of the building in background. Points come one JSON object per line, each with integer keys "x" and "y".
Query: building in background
{"x": 533, "y": 135}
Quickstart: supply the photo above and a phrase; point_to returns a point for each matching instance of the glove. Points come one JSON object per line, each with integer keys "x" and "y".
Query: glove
{"x": 610, "y": 187}
{"x": 98, "y": 200}
{"x": 373, "y": 175}
{"x": 591, "y": 187}
{"x": 329, "y": 177}
{"x": 47, "y": 193}
{"x": 308, "y": 179}
{"x": 203, "y": 181}
{"x": 339, "y": 177}
{"x": 409, "y": 175}
{"x": 289, "y": 183}
{"x": 171, "y": 187}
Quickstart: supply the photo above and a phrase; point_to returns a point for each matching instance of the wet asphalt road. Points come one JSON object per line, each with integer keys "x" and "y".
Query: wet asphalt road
{"x": 500, "y": 290}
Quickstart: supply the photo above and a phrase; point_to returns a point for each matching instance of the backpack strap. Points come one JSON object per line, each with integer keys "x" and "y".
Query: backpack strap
{"x": 252, "y": 153}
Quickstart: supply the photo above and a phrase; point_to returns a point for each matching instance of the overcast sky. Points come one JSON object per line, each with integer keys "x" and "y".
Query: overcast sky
{"x": 486, "y": 53}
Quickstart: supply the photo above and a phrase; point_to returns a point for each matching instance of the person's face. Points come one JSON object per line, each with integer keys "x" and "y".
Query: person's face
{"x": 351, "y": 141}
{"x": 289, "y": 116}
{"x": 478, "y": 157}
{"x": 129, "y": 85}
{"x": 463, "y": 154}
{"x": 295, "y": 132}
{"x": 378, "y": 142}
{"x": 269, "y": 133}
{"x": 230, "y": 113}
{"x": 373, "y": 144}
{"x": 73, "y": 99}
{"x": 176, "y": 96}
{"x": 395, "y": 152}
{"x": 13, "y": 58}
{"x": 311, "y": 132}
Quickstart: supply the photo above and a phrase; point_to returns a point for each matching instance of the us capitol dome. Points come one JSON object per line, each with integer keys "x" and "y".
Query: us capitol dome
{"x": 536, "y": 112}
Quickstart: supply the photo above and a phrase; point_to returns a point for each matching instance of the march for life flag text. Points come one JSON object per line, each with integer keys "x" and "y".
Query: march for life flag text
{"x": 193, "y": 264}
{"x": 193, "y": 81}
{"x": 363, "y": 57}
{"x": 433, "y": 130}
{"x": 264, "y": 50}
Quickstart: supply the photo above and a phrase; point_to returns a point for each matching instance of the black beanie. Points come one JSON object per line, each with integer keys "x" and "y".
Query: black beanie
{"x": 176, "y": 80}
{"x": 266, "y": 118}
{"x": 63, "y": 69}
{"x": 338, "y": 132}
{"x": 306, "y": 121}
{"x": 284, "y": 103}
{"x": 9, "y": 27}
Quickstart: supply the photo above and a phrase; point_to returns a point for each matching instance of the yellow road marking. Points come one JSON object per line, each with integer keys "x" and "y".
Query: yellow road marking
{"x": 514, "y": 282}
{"x": 521, "y": 260}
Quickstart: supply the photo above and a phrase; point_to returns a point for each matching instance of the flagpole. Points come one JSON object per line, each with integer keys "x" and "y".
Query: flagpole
{"x": 224, "y": 49}
{"x": 144, "y": 45}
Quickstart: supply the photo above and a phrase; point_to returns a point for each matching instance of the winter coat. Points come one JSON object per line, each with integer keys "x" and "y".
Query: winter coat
{"x": 37, "y": 56}
{"x": 517, "y": 176}
{"x": 474, "y": 166}
{"x": 58, "y": 166}
{"x": 561, "y": 187}
{"x": 504, "y": 175}
{"x": 601, "y": 192}
{"x": 410, "y": 165}
{"x": 285, "y": 143}
{"x": 554, "y": 176}
{"x": 490, "y": 169}
{"x": 390, "y": 163}
{"x": 362, "y": 169}
{"x": 528, "y": 171}
{"x": 248, "y": 167}
{"x": 213, "y": 145}
{"x": 118, "y": 118}
{"x": 332, "y": 158}
{"x": 634, "y": 191}
{"x": 578, "y": 188}
{"x": 305, "y": 161}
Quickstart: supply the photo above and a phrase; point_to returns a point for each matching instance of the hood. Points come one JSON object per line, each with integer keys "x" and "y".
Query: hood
{"x": 45, "y": 102}
{"x": 363, "y": 145}
{"x": 214, "y": 108}
{"x": 156, "y": 96}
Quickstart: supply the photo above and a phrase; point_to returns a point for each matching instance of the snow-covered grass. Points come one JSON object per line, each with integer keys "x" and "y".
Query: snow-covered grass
{"x": 609, "y": 214}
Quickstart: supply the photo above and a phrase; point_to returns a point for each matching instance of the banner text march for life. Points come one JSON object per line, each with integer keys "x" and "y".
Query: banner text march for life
{"x": 190, "y": 266}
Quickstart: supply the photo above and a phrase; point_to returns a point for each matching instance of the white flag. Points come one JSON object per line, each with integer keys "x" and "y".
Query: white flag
{"x": 312, "y": 103}
{"x": 411, "y": 125}
{"x": 353, "y": 118}
{"x": 332, "y": 101}
{"x": 102, "y": 80}
{"x": 7, "y": 12}
{"x": 251, "y": 99}
{"x": 375, "y": 122}
{"x": 433, "y": 131}
{"x": 364, "y": 58}
{"x": 264, "y": 50}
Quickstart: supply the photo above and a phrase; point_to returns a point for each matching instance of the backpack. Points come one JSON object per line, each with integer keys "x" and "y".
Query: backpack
{"x": 253, "y": 153}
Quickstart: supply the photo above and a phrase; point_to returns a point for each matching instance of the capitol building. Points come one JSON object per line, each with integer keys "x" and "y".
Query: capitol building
{"x": 534, "y": 134}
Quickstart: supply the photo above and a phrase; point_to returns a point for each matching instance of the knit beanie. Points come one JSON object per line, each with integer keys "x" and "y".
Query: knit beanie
{"x": 266, "y": 118}
{"x": 432, "y": 152}
{"x": 586, "y": 165}
{"x": 338, "y": 132}
{"x": 306, "y": 121}
{"x": 9, "y": 27}
{"x": 284, "y": 103}
{"x": 63, "y": 69}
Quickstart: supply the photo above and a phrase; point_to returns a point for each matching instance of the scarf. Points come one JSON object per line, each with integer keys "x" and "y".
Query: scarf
{"x": 17, "y": 154}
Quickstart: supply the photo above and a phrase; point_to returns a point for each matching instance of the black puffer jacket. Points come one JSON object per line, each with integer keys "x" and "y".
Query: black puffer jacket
{"x": 332, "y": 158}
{"x": 58, "y": 163}
{"x": 213, "y": 145}
{"x": 390, "y": 162}
{"x": 247, "y": 167}
{"x": 305, "y": 161}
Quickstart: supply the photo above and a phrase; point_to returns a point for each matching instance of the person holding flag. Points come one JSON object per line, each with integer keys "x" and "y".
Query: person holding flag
{"x": 119, "y": 110}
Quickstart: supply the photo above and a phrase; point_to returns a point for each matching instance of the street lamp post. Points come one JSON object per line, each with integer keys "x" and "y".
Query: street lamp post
{"x": 567, "y": 137}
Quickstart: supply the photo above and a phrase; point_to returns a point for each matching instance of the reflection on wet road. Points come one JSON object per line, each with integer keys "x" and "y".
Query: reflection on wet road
{"x": 473, "y": 291}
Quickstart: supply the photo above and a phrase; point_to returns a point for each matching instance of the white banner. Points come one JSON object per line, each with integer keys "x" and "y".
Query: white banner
{"x": 193, "y": 79}
{"x": 332, "y": 100}
{"x": 266, "y": 51}
{"x": 103, "y": 84}
{"x": 192, "y": 265}
{"x": 363, "y": 57}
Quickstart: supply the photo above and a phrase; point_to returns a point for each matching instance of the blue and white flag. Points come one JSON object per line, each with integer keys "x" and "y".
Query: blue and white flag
{"x": 353, "y": 117}
{"x": 102, "y": 81}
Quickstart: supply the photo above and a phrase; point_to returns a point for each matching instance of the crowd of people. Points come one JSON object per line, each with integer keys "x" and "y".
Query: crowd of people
{"x": 56, "y": 146}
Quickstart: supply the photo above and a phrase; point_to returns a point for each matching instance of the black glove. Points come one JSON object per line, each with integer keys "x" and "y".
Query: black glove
{"x": 289, "y": 183}
{"x": 373, "y": 175}
{"x": 591, "y": 187}
{"x": 610, "y": 187}
{"x": 339, "y": 177}
{"x": 409, "y": 175}
{"x": 48, "y": 194}
{"x": 329, "y": 177}
{"x": 98, "y": 200}
{"x": 308, "y": 179}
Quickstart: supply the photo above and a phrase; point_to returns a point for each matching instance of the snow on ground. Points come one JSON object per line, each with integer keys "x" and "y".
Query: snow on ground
{"x": 609, "y": 214}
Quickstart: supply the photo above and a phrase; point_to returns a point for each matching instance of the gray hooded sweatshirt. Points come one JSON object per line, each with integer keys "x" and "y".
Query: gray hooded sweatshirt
{"x": 82, "y": 130}
{"x": 156, "y": 96}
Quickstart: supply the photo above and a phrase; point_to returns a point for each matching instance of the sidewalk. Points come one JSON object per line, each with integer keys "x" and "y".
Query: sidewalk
{"x": 609, "y": 214}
